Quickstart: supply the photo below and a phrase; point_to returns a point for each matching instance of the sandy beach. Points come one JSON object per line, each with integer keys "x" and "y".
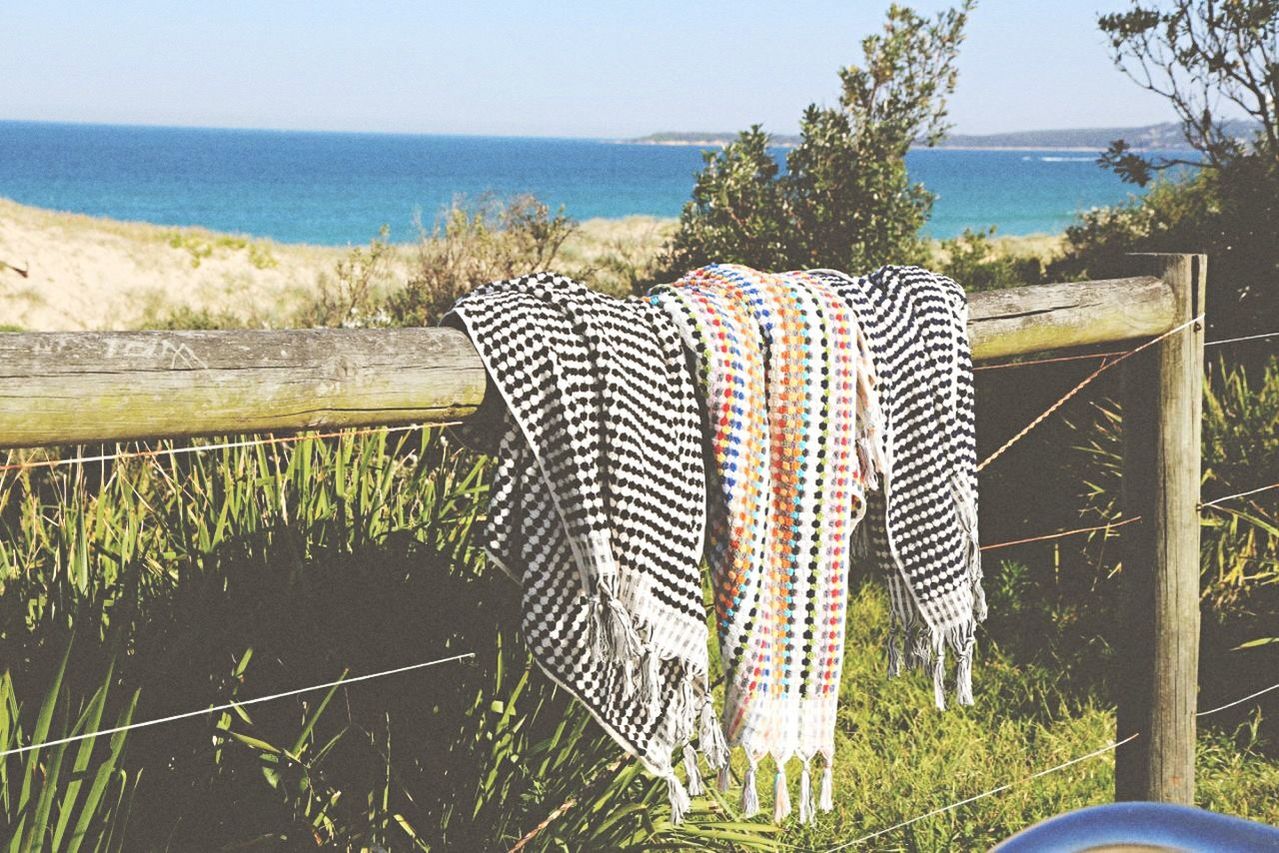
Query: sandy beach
{"x": 68, "y": 272}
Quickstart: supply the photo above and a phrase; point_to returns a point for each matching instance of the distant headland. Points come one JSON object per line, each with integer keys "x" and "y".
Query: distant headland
{"x": 1166, "y": 136}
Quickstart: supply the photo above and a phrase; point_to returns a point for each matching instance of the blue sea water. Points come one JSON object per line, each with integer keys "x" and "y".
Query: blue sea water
{"x": 338, "y": 188}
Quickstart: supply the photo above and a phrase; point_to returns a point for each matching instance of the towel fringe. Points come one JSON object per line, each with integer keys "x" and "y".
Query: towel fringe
{"x": 710, "y": 737}
{"x": 750, "y": 796}
{"x": 937, "y": 666}
{"x": 695, "y": 788}
{"x": 725, "y": 780}
{"x": 807, "y": 814}
{"x": 781, "y": 794}
{"x": 678, "y": 798}
{"x": 827, "y": 800}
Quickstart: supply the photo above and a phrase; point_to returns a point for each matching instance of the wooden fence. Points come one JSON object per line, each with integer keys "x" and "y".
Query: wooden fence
{"x": 80, "y": 387}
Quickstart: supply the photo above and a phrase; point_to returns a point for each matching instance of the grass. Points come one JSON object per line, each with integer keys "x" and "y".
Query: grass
{"x": 897, "y": 758}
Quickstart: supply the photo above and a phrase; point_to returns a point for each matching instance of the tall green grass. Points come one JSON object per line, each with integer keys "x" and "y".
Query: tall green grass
{"x": 244, "y": 572}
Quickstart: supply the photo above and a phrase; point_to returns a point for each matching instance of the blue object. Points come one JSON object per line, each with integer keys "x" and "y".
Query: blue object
{"x": 1153, "y": 825}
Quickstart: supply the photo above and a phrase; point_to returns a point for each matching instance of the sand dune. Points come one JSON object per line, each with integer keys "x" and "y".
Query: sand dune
{"x": 86, "y": 272}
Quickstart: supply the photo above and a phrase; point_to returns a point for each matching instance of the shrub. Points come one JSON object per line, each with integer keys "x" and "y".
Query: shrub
{"x": 845, "y": 199}
{"x": 973, "y": 260}
{"x": 1199, "y": 55}
{"x": 350, "y": 298}
{"x": 471, "y": 245}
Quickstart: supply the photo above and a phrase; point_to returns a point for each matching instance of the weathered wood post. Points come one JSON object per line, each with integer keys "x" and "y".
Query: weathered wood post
{"x": 1162, "y": 402}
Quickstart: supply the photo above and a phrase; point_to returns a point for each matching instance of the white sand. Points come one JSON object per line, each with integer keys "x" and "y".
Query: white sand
{"x": 92, "y": 273}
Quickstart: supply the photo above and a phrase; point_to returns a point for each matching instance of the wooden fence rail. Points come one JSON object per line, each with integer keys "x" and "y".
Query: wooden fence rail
{"x": 82, "y": 387}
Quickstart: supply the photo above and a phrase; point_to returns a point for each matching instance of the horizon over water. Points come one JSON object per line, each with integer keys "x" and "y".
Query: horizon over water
{"x": 338, "y": 188}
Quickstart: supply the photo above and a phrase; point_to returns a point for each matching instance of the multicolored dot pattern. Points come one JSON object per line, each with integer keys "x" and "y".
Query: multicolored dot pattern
{"x": 778, "y": 356}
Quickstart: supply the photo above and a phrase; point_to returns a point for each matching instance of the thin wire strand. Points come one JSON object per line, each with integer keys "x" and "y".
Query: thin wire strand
{"x": 1096, "y": 752}
{"x": 1090, "y": 356}
{"x": 228, "y": 445}
{"x": 1238, "y": 701}
{"x": 230, "y": 705}
{"x": 1079, "y": 387}
{"x": 1081, "y": 357}
{"x": 1105, "y": 527}
{"x": 1243, "y": 338}
{"x": 1224, "y": 498}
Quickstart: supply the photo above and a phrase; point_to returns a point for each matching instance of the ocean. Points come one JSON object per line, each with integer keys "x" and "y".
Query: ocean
{"x": 339, "y": 188}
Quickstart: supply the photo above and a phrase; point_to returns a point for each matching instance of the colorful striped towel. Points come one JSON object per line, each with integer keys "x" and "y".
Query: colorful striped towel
{"x": 788, "y": 389}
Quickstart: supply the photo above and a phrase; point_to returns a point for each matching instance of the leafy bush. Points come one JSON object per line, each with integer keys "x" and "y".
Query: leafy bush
{"x": 973, "y": 260}
{"x": 472, "y": 245}
{"x": 201, "y": 246}
{"x": 351, "y": 298}
{"x": 845, "y": 199}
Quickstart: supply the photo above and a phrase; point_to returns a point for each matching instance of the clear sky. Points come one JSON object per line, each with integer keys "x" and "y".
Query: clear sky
{"x": 602, "y": 68}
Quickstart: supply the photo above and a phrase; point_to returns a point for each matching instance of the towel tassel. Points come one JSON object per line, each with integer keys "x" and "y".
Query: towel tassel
{"x": 781, "y": 794}
{"x": 710, "y": 738}
{"x": 750, "y": 797}
{"x": 678, "y": 798}
{"x": 695, "y": 788}
{"x": 827, "y": 800}
{"x": 725, "y": 780}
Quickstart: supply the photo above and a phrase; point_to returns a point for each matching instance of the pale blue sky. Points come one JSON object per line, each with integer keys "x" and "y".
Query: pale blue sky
{"x": 541, "y": 67}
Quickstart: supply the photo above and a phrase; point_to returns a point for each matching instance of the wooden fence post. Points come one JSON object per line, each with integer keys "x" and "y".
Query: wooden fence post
{"x": 1159, "y": 642}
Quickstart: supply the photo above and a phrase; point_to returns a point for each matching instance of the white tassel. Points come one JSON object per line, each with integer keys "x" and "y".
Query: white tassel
{"x": 964, "y": 671}
{"x": 750, "y": 796}
{"x": 781, "y": 795}
{"x": 678, "y": 797}
{"x": 725, "y": 780}
{"x": 806, "y": 810}
{"x": 938, "y": 667}
{"x": 630, "y": 679}
{"x": 687, "y": 712}
{"x": 597, "y": 630}
{"x": 695, "y": 788}
{"x": 710, "y": 738}
{"x": 827, "y": 800}
{"x": 624, "y": 641}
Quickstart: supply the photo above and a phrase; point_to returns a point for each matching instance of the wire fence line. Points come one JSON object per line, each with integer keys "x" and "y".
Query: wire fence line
{"x": 1111, "y": 525}
{"x": 232, "y": 705}
{"x": 226, "y": 445}
{"x": 1081, "y": 385}
{"x": 1093, "y": 356}
{"x": 1218, "y": 501}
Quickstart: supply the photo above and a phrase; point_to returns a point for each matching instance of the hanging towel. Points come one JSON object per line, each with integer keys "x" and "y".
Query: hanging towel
{"x": 788, "y": 391}
{"x": 597, "y": 506}
{"x": 922, "y": 525}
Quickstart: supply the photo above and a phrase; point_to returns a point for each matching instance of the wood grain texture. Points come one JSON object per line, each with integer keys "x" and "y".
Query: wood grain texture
{"x": 64, "y": 388}
{"x": 1162, "y": 400}
{"x": 1024, "y": 320}
{"x": 67, "y": 388}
